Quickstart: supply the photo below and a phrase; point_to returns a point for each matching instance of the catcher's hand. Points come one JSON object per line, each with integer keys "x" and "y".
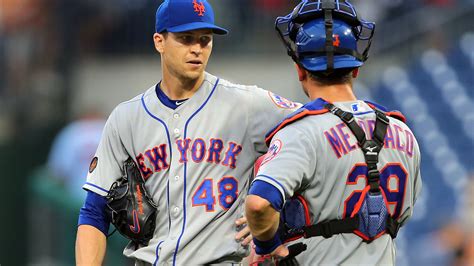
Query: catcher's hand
{"x": 131, "y": 209}
{"x": 281, "y": 256}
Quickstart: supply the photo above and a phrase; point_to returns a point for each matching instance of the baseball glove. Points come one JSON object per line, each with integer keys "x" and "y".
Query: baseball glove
{"x": 131, "y": 209}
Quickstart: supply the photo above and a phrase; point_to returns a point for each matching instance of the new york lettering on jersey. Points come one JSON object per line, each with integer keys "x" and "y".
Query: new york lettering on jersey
{"x": 156, "y": 159}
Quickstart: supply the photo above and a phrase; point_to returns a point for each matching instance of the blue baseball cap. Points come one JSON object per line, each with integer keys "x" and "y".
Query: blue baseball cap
{"x": 186, "y": 15}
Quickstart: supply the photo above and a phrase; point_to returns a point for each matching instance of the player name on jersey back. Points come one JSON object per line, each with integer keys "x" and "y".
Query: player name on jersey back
{"x": 342, "y": 141}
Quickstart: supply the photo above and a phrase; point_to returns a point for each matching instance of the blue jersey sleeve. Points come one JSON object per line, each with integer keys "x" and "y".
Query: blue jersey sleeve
{"x": 268, "y": 192}
{"x": 93, "y": 212}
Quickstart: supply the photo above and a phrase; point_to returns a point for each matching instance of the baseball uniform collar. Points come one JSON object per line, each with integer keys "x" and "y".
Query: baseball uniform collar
{"x": 164, "y": 99}
{"x": 162, "y": 110}
{"x": 357, "y": 107}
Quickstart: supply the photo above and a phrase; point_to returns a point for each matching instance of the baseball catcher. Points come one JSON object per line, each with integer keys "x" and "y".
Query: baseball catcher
{"x": 336, "y": 172}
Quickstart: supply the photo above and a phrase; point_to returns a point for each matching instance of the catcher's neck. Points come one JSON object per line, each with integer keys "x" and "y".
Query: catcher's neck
{"x": 333, "y": 93}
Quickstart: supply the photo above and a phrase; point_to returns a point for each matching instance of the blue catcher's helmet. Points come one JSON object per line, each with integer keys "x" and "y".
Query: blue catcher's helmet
{"x": 322, "y": 35}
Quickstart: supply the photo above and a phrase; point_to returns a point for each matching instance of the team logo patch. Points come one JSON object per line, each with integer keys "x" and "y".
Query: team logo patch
{"x": 275, "y": 147}
{"x": 93, "y": 164}
{"x": 282, "y": 102}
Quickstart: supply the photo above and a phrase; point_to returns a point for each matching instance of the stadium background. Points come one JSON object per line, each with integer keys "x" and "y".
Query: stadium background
{"x": 63, "y": 62}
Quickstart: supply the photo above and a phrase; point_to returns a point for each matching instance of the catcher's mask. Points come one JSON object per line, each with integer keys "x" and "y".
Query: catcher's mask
{"x": 323, "y": 35}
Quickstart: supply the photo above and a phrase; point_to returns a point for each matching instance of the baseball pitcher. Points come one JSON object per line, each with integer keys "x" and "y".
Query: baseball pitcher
{"x": 193, "y": 138}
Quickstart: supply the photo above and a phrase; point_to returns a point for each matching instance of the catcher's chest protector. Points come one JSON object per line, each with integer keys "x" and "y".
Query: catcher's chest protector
{"x": 370, "y": 218}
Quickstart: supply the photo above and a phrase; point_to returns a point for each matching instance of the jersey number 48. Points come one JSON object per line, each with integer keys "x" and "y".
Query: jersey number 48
{"x": 227, "y": 189}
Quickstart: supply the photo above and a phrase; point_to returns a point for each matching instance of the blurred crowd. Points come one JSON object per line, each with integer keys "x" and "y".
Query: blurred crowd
{"x": 41, "y": 40}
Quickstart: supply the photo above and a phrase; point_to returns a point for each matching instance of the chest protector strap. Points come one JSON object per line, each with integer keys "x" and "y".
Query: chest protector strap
{"x": 370, "y": 218}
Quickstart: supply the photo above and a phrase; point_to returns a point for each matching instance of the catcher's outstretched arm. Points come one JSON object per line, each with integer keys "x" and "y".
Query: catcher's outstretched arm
{"x": 263, "y": 222}
{"x": 262, "y": 207}
{"x": 262, "y": 218}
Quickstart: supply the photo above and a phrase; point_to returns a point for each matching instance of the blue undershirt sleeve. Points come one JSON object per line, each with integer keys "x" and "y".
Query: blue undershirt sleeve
{"x": 268, "y": 192}
{"x": 93, "y": 213}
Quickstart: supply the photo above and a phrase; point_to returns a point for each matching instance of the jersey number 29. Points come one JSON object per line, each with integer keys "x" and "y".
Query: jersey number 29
{"x": 393, "y": 178}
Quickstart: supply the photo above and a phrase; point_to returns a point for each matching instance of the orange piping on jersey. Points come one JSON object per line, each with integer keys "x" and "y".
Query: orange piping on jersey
{"x": 293, "y": 119}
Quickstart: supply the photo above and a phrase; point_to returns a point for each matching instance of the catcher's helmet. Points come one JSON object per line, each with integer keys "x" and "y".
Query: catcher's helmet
{"x": 322, "y": 35}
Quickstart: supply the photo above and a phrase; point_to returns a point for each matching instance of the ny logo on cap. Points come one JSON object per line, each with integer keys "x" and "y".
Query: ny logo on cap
{"x": 336, "y": 42}
{"x": 199, "y": 8}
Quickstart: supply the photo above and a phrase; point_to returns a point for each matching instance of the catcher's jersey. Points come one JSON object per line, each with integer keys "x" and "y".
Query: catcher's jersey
{"x": 196, "y": 159}
{"x": 318, "y": 158}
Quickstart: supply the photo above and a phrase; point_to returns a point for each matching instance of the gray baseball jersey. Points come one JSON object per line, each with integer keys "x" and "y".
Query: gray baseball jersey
{"x": 318, "y": 158}
{"x": 196, "y": 160}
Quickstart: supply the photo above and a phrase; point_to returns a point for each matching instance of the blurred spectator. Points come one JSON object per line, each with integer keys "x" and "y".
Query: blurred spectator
{"x": 458, "y": 243}
{"x": 28, "y": 51}
{"x": 441, "y": 3}
{"x": 40, "y": 44}
{"x": 20, "y": 23}
{"x": 72, "y": 152}
{"x": 466, "y": 248}
{"x": 271, "y": 6}
{"x": 453, "y": 242}
{"x": 245, "y": 17}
